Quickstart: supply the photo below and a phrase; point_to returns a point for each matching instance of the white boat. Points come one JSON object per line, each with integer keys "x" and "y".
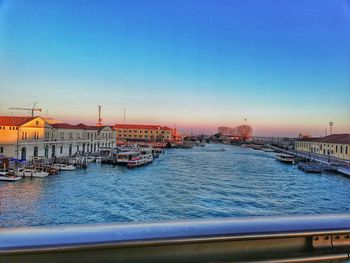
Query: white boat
{"x": 9, "y": 177}
{"x": 30, "y": 172}
{"x": 286, "y": 158}
{"x": 90, "y": 159}
{"x": 140, "y": 161}
{"x": 64, "y": 167}
{"x": 123, "y": 158}
{"x": 98, "y": 159}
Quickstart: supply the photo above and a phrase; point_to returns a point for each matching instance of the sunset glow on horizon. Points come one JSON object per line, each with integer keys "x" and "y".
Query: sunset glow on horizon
{"x": 282, "y": 66}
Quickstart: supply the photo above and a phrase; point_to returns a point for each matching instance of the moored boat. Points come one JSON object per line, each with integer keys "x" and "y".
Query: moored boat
{"x": 31, "y": 172}
{"x": 9, "y": 177}
{"x": 286, "y": 158}
{"x": 310, "y": 167}
{"x": 64, "y": 167}
{"x": 140, "y": 161}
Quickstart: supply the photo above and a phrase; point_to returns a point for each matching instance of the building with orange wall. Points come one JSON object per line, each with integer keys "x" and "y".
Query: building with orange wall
{"x": 142, "y": 132}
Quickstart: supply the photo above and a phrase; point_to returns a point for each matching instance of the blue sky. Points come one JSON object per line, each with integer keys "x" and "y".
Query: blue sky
{"x": 283, "y": 65}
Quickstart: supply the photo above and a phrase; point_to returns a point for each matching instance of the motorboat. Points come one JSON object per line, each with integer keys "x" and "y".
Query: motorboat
{"x": 140, "y": 161}
{"x": 64, "y": 167}
{"x": 286, "y": 158}
{"x": 9, "y": 177}
{"x": 310, "y": 167}
{"x": 123, "y": 158}
{"x": 31, "y": 172}
{"x": 90, "y": 159}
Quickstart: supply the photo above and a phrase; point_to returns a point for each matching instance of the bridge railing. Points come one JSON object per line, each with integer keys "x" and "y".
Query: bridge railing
{"x": 324, "y": 238}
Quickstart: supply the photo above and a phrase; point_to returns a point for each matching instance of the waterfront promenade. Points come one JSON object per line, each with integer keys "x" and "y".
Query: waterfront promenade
{"x": 203, "y": 182}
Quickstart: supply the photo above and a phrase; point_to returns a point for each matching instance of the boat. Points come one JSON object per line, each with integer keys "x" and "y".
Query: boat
{"x": 139, "y": 161}
{"x": 123, "y": 158}
{"x": 64, "y": 167}
{"x": 90, "y": 159}
{"x": 31, "y": 172}
{"x": 9, "y": 177}
{"x": 310, "y": 167}
{"x": 286, "y": 158}
{"x": 98, "y": 159}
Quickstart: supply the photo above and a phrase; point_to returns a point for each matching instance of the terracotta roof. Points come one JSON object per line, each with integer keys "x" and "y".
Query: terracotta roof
{"x": 141, "y": 126}
{"x": 14, "y": 120}
{"x": 334, "y": 138}
{"x": 70, "y": 126}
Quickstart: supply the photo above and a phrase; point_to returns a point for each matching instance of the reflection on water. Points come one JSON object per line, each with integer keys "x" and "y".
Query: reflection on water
{"x": 199, "y": 183}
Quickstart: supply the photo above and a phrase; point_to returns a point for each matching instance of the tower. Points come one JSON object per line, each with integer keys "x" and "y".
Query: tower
{"x": 330, "y": 127}
{"x": 99, "y": 122}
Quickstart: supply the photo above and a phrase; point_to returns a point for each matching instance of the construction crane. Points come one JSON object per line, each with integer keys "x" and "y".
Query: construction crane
{"x": 33, "y": 109}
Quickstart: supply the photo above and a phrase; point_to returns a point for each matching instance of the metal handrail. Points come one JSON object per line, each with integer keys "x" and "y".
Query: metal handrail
{"x": 285, "y": 239}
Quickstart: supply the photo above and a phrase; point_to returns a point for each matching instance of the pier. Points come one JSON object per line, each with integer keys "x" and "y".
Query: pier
{"x": 328, "y": 163}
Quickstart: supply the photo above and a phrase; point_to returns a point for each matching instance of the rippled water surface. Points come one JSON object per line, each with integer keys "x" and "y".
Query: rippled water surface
{"x": 202, "y": 182}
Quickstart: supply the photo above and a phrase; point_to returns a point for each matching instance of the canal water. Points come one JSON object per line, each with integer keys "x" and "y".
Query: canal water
{"x": 203, "y": 182}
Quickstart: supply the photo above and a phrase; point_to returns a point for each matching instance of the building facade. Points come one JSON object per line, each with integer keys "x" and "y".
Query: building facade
{"x": 27, "y": 137}
{"x": 332, "y": 146}
{"x": 150, "y": 133}
{"x": 21, "y": 137}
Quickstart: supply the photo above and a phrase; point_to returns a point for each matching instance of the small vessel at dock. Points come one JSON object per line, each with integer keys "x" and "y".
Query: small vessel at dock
{"x": 9, "y": 177}
{"x": 286, "y": 158}
{"x": 30, "y": 172}
{"x": 310, "y": 167}
{"x": 139, "y": 161}
{"x": 64, "y": 167}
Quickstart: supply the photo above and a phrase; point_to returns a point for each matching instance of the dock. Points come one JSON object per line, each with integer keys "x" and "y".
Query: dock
{"x": 328, "y": 164}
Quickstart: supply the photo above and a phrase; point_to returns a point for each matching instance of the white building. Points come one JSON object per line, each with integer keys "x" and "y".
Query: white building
{"x": 25, "y": 137}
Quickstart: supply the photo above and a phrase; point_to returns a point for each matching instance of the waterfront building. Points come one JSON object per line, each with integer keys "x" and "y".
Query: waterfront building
{"x": 150, "y": 133}
{"x": 331, "y": 146}
{"x": 21, "y": 137}
{"x": 27, "y": 137}
{"x": 67, "y": 139}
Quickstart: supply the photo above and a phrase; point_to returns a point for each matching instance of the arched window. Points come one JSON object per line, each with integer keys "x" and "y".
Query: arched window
{"x": 35, "y": 154}
{"x": 23, "y": 153}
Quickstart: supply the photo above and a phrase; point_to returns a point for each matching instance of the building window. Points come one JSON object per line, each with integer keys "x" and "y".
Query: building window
{"x": 46, "y": 151}
{"x": 70, "y": 149}
{"x": 61, "y": 149}
{"x": 336, "y": 148}
{"x": 35, "y": 154}
{"x": 53, "y": 151}
{"x": 346, "y": 149}
{"x": 1, "y": 149}
{"x": 341, "y": 149}
{"x": 23, "y": 153}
